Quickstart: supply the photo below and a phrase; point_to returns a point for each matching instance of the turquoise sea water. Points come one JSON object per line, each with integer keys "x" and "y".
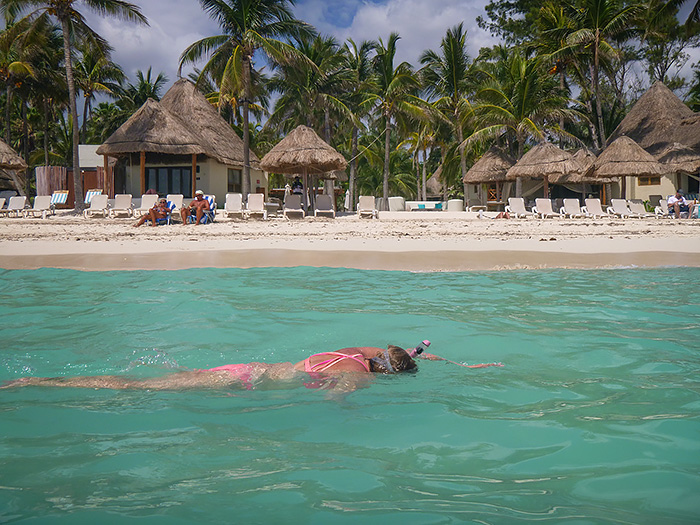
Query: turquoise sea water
{"x": 593, "y": 419}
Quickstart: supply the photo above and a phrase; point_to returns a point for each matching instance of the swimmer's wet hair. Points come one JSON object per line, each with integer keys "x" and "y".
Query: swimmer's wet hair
{"x": 398, "y": 361}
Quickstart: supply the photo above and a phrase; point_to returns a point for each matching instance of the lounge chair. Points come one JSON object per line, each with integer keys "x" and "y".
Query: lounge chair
{"x": 168, "y": 218}
{"x": 516, "y": 208}
{"x": 397, "y": 204}
{"x": 148, "y": 200}
{"x": 42, "y": 206}
{"x": 324, "y": 206}
{"x": 91, "y": 195}
{"x": 594, "y": 209}
{"x": 571, "y": 209}
{"x": 122, "y": 204}
{"x": 98, "y": 204}
{"x": 619, "y": 208}
{"x": 234, "y": 205}
{"x": 543, "y": 208}
{"x": 662, "y": 210}
{"x": 176, "y": 199}
{"x": 365, "y": 207}
{"x": 637, "y": 209}
{"x": 14, "y": 206}
{"x": 2, "y": 202}
{"x": 59, "y": 197}
{"x": 292, "y": 206}
{"x": 256, "y": 206}
{"x": 654, "y": 200}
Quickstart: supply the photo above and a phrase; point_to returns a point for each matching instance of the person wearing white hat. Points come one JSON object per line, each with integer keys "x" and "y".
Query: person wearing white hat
{"x": 196, "y": 208}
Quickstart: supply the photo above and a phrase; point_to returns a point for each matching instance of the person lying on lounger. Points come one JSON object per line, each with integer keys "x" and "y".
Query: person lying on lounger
{"x": 196, "y": 208}
{"x": 160, "y": 210}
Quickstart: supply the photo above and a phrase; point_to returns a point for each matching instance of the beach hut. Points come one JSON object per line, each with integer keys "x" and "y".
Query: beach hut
{"x": 625, "y": 158}
{"x": 179, "y": 145}
{"x": 10, "y": 164}
{"x": 680, "y": 158}
{"x": 542, "y": 162}
{"x": 491, "y": 170}
{"x": 303, "y": 152}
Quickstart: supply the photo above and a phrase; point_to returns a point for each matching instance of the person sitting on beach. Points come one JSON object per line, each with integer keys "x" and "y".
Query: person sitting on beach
{"x": 196, "y": 208}
{"x": 355, "y": 360}
{"x": 297, "y": 186}
{"x": 678, "y": 204}
{"x": 160, "y": 210}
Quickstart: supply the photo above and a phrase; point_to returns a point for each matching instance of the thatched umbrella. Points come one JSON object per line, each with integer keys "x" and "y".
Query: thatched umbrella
{"x": 303, "y": 151}
{"x": 10, "y": 161}
{"x": 542, "y": 162}
{"x": 585, "y": 159}
{"x": 653, "y": 122}
{"x": 679, "y": 157}
{"x": 491, "y": 167}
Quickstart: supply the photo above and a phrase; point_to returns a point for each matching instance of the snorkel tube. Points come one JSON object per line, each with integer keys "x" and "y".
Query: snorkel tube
{"x": 423, "y": 345}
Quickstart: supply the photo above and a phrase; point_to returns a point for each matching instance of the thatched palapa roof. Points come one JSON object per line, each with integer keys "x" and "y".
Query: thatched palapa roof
{"x": 491, "y": 167}
{"x": 679, "y": 157}
{"x": 182, "y": 123}
{"x": 624, "y": 157}
{"x": 653, "y": 121}
{"x": 9, "y": 159}
{"x": 688, "y": 132}
{"x": 544, "y": 160}
{"x": 302, "y": 150}
{"x": 585, "y": 159}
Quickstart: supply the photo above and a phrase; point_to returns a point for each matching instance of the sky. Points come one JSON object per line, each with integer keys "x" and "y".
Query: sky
{"x": 175, "y": 24}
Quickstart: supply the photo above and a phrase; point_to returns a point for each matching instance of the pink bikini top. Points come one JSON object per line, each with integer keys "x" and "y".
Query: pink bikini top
{"x": 337, "y": 357}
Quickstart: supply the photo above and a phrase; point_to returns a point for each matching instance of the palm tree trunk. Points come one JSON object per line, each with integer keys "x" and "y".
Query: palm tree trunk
{"x": 77, "y": 177}
{"x": 591, "y": 127}
{"x": 245, "y": 183}
{"x": 425, "y": 175}
{"x": 416, "y": 164}
{"x": 387, "y": 146}
{"x": 596, "y": 86}
{"x": 519, "y": 180}
{"x": 85, "y": 112}
{"x": 328, "y": 185}
{"x": 353, "y": 168}
{"x": 46, "y": 132}
{"x": 25, "y": 146}
{"x": 8, "y": 100}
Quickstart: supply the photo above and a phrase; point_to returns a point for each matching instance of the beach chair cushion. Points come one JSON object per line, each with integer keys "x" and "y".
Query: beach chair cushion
{"x": 92, "y": 194}
{"x": 59, "y": 197}
{"x": 256, "y": 205}
{"x": 98, "y": 204}
{"x": 122, "y": 204}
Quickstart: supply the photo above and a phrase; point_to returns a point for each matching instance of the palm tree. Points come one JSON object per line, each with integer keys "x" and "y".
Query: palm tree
{"x": 520, "y": 102}
{"x": 73, "y": 25}
{"x": 96, "y": 73}
{"x": 396, "y": 88}
{"x": 598, "y": 21}
{"x": 449, "y": 77}
{"x": 248, "y": 26}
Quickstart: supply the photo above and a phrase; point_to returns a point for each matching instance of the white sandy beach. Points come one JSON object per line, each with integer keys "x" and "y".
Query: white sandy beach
{"x": 415, "y": 241}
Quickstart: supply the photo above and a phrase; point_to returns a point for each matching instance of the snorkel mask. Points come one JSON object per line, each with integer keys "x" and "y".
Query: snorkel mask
{"x": 423, "y": 345}
{"x": 383, "y": 361}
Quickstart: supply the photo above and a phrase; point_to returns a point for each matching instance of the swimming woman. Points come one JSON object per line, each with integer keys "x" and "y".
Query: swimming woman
{"x": 356, "y": 361}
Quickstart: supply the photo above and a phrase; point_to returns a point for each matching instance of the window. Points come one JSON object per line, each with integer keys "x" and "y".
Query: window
{"x": 649, "y": 181}
{"x": 170, "y": 180}
{"x": 234, "y": 181}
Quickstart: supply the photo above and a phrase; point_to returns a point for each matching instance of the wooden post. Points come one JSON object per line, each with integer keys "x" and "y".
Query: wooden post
{"x": 194, "y": 173}
{"x": 143, "y": 172}
{"x": 546, "y": 187}
{"x": 109, "y": 184}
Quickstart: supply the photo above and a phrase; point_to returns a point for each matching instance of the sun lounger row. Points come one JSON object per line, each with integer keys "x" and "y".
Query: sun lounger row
{"x": 572, "y": 209}
{"x": 292, "y": 207}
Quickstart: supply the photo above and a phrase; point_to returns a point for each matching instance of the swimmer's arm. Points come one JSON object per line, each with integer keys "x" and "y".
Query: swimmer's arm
{"x": 431, "y": 357}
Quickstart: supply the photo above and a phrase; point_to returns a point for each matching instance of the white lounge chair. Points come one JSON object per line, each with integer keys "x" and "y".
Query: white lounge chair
{"x": 91, "y": 194}
{"x": 543, "y": 208}
{"x": 234, "y": 205}
{"x": 571, "y": 209}
{"x": 324, "y": 206}
{"x": 397, "y": 204}
{"x": 619, "y": 208}
{"x": 14, "y": 206}
{"x": 365, "y": 207}
{"x": 516, "y": 208}
{"x": 122, "y": 204}
{"x": 98, "y": 204}
{"x": 594, "y": 209}
{"x": 292, "y": 206}
{"x": 2, "y": 202}
{"x": 256, "y": 206}
{"x": 662, "y": 210}
{"x": 148, "y": 200}
{"x": 42, "y": 207}
{"x": 176, "y": 199}
{"x": 637, "y": 209}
